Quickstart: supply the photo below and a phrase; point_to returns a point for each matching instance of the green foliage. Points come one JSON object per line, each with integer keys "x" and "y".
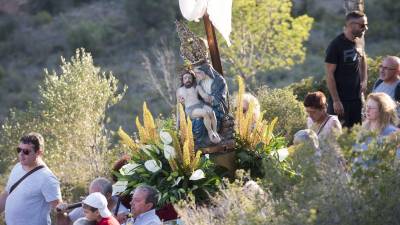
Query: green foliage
{"x": 89, "y": 35}
{"x": 52, "y": 6}
{"x": 42, "y": 17}
{"x": 237, "y": 203}
{"x": 375, "y": 174}
{"x": 323, "y": 195}
{"x": 151, "y": 18}
{"x": 383, "y": 18}
{"x": 2, "y": 73}
{"x": 373, "y": 71}
{"x": 311, "y": 84}
{"x": 15, "y": 125}
{"x": 71, "y": 117}
{"x": 173, "y": 185}
{"x": 265, "y": 36}
{"x": 306, "y": 85}
{"x": 7, "y": 26}
{"x": 282, "y": 103}
{"x": 176, "y": 172}
{"x": 264, "y": 162}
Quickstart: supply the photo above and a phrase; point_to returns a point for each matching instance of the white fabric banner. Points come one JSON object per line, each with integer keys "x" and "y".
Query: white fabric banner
{"x": 219, "y": 11}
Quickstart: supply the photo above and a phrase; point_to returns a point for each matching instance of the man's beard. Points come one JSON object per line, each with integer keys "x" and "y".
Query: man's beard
{"x": 188, "y": 84}
{"x": 358, "y": 34}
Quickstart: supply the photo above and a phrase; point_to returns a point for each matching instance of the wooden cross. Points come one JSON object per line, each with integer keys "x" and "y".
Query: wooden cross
{"x": 212, "y": 44}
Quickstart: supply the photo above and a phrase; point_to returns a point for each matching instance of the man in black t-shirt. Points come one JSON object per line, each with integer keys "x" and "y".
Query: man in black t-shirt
{"x": 346, "y": 70}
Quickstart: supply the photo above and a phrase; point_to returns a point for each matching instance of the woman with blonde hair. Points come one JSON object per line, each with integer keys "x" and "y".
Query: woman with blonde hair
{"x": 381, "y": 114}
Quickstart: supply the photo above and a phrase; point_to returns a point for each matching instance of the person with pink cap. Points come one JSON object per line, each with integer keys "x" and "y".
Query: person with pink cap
{"x": 95, "y": 209}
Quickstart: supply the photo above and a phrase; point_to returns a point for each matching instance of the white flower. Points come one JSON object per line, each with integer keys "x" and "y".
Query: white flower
{"x": 165, "y": 137}
{"x": 152, "y": 165}
{"x": 119, "y": 187}
{"x": 197, "y": 175}
{"x": 128, "y": 169}
{"x": 283, "y": 153}
{"x": 169, "y": 152}
{"x": 253, "y": 187}
{"x": 177, "y": 181}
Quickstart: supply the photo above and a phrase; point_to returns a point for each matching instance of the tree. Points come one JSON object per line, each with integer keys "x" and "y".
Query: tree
{"x": 160, "y": 64}
{"x": 71, "y": 117}
{"x": 152, "y": 18}
{"x": 265, "y": 37}
{"x": 353, "y": 5}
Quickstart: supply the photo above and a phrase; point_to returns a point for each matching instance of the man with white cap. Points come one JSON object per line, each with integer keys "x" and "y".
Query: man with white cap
{"x": 95, "y": 209}
{"x": 104, "y": 186}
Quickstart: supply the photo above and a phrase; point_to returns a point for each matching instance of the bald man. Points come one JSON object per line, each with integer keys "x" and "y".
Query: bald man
{"x": 388, "y": 81}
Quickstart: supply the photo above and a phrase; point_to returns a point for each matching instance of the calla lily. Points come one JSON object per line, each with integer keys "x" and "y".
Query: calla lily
{"x": 282, "y": 154}
{"x": 119, "y": 187}
{"x": 177, "y": 181}
{"x": 147, "y": 149}
{"x": 152, "y": 165}
{"x": 128, "y": 169}
{"x": 165, "y": 137}
{"x": 197, "y": 175}
{"x": 169, "y": 152}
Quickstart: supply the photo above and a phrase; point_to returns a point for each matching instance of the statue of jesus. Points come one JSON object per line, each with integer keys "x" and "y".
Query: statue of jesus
{"x": 188, "y": 94}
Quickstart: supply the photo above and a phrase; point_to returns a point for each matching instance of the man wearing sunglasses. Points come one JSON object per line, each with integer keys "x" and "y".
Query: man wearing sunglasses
{"x": 346, "y": 70}
{"x": 30, "y": 200}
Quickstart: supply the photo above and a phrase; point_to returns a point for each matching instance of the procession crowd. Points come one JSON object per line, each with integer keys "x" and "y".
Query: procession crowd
{"x": 32, "y": 190}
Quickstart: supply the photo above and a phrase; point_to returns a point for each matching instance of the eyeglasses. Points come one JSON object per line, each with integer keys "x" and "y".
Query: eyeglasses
{"x": 386, "y": 68}
{"x": 371, "y": 108}
{"x": 23, "y": 150}
{"x": 362, "y": 25}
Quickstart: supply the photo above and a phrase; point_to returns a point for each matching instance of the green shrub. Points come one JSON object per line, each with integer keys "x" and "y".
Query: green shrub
{"x": 323, "y": 195}
{"x": 311, "y": 84}
{"x": 71, "y": 117}
{"x": 41, "y": 18}
{"x": 87, "y": 34}
{"x": 377, "y": 177}
{"x": 151, "y": 14}
{"x": 7, "y": 26}
{"x": 282, "y": 103}
{"x": 235, "y": 204}
{"x": 306, "y": 85}
{"x": 2, "y": 73}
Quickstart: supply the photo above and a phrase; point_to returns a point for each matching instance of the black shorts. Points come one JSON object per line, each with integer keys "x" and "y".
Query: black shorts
{"x": 352, "y": 112}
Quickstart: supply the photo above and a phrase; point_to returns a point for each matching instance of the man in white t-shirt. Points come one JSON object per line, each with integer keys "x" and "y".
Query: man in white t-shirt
{"x": 31, "y": 201}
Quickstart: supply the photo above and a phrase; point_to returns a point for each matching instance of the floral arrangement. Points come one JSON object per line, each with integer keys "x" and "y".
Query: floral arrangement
{"x": 257, "y": 149}
{"x": 166, "y": 159}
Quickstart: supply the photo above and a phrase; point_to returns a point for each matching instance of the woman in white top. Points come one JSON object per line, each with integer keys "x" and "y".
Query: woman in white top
{"x": 324, "y": 125}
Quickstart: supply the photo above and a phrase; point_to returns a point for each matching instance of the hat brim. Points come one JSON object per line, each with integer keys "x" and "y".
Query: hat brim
{"x": 105, "y": 213}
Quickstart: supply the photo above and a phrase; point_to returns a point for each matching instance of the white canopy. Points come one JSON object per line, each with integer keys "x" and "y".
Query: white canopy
{"x": 219, "y": 11}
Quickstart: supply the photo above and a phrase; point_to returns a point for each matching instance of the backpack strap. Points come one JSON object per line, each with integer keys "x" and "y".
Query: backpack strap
{"x": 397, "y": 92}
{"x": 23, "y": 178}
{"x": 117, "y": 206}
{"x": 377, "y": 83}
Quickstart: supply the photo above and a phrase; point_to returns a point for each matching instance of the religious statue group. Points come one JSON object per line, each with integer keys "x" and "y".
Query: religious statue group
{"x": 203, "y": 92}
